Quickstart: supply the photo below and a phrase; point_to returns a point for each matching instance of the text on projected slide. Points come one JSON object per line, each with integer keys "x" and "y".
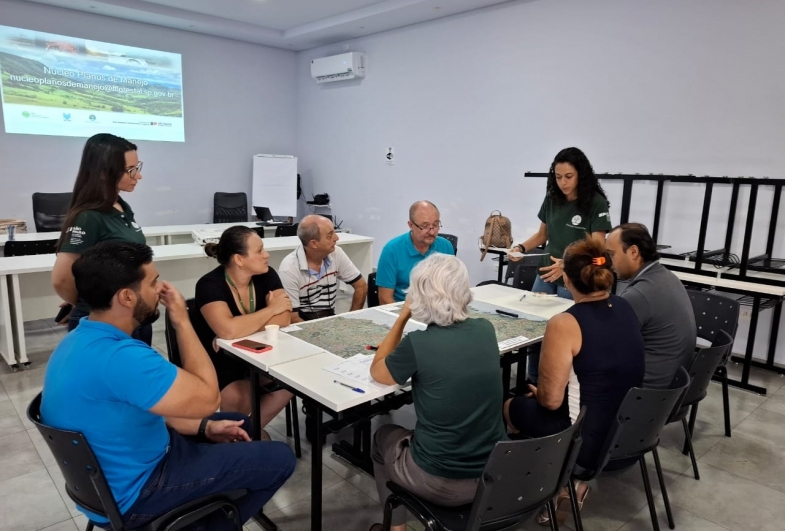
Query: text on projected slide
{"x": 67, "y": 86}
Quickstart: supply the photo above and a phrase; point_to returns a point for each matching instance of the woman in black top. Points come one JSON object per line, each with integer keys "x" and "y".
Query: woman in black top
{"x": 237, "y": 299}
{"x": 97, "y": 213}
{"x": 600, "y": 339}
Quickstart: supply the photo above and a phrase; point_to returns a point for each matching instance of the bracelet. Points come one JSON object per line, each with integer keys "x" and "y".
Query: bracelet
{"x": 201, "y": 434}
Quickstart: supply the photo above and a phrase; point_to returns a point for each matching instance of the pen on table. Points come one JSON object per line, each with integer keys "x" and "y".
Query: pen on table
{"x": 371, "y": 347}
{"x": 355, "y": 389}
{"x": 508, "y": 314}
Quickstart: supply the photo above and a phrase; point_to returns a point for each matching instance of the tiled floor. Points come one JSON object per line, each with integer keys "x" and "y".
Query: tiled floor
{"x": 742, "y": 485}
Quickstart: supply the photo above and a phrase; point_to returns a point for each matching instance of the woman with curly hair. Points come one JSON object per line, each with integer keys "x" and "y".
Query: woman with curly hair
{"x": 575, "y": 204}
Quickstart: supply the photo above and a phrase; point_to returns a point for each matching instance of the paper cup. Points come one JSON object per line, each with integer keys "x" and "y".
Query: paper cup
{"x": 272, "y": 332}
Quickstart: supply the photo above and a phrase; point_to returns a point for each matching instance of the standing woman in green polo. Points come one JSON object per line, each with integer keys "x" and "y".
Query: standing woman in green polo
{"x": 97, "y": 213}
{"x": 575, "y": 205}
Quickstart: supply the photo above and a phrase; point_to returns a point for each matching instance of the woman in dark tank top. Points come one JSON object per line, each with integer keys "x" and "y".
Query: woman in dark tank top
{"x": 599, "y": 338}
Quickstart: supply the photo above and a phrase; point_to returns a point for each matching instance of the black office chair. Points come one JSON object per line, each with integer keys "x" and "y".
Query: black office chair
{"x": 714, "y": 313}
{"x": 519, "y": 478}
{"x": 523, "y": 273}
{"x": 701, "y": 370}
{"x": 173, "y": 350}
{"x": 86, "y": 484}
{"x": 636, "y": 432}
{"x": 286, "y": 230}
{"x": 453, "y": 240}
{"x": 373, "y": 291}
{"x": 230, "y": 207}
{"x": 28, "y": 248}
{"x": 49, "y": 210}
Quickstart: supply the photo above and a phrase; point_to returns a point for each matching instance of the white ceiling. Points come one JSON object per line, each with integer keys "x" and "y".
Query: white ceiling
{"x": 290, "y": 24}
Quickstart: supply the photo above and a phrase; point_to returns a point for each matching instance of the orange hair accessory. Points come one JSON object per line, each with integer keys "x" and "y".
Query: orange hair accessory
{"x": 598, "y": 261}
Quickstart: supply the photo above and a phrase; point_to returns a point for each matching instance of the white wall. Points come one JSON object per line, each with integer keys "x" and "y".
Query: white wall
{"x": 473, "y": 101}
{"x": 239, "y": 100}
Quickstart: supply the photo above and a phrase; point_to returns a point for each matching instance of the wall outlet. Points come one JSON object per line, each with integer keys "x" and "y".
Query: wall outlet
{"x": 745, "y": 313}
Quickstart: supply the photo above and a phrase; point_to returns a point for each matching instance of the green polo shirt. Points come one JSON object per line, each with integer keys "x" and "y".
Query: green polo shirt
{"x": 457, "y": 395}
{"x": 567, "y": 225}
{"x": 92, "y": 227}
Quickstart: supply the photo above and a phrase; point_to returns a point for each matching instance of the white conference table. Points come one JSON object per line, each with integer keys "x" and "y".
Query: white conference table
{"x": 302, "y": 369}
{"x": 26, "y": 291}
{"x": 162, "y": 235}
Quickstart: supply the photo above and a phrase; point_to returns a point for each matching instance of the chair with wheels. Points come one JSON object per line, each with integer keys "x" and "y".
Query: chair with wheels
{"x": 230, "y": 207}
{"x": 373, "y": 291}
{"x": 712, "y": 314}
{"x": 173, "y": 350}
{"x": 49, "y": 210}
{"x": 29, "y": 247}
{"x": 286, "y": 230}
{"x": 519, "y": 478}
{"x": 634, "y": 433}
{"x": 86, "y": 484}
{"x": 702, "y": 368}
{"x": 453, "y": 240}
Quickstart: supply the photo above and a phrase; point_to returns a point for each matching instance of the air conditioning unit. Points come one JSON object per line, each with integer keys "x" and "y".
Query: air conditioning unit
{"x": 338, "y": 67}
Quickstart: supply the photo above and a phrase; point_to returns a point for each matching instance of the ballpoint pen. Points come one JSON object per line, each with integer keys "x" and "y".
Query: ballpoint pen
{"x": 355, "y": 389}
{"x": 508, "y": 314}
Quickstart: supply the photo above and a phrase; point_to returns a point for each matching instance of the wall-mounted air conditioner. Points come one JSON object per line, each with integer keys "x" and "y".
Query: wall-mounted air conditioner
{"x": 338, "y": 67}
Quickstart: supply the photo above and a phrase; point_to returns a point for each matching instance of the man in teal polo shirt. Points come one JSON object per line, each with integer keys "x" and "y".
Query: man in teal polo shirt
{"x": 402, "y": 253}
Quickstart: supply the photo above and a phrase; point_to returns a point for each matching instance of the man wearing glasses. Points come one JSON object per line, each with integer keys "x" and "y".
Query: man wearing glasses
{"x": 402, "y": 253}
{"x": 310, "y": 273}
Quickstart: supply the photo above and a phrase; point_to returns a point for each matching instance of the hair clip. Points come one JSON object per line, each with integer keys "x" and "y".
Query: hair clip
{"x": 598, "y": 261}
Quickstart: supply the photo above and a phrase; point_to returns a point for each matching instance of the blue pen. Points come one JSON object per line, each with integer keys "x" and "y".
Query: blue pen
{"x": 355, "y": 389}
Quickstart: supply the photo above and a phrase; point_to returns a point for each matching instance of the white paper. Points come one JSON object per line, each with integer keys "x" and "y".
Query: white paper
{"x": 516, "y": 254}
{"x": 291, "y": 328}
{"x": 357, "y": 369}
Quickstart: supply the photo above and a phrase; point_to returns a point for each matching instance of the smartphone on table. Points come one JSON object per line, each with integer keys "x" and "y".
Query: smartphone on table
{"x": 252, "y": 346}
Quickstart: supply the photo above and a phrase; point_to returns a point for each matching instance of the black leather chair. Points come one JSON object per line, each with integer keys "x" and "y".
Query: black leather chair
{"x": 636, "y": 432}
{"x": 173, "y": 350}
{"x": 519, "y": 478}
{"x": 701, "y": 370}
{"x": 286, "y": 230}
{"x": 373, "y": 291}
{"x": 230, "y": 207}
{"x": 49, "y": 210}
{"x": 714, "y": 313}
{"x": 27, "y": 248}
{"x": 453, "y": 240}
{"x": 523, "y": 273}
{"x": 86, "y": 485}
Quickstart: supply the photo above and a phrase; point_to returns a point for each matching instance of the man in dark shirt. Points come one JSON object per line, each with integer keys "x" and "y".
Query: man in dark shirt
{"x": 660, "y": 302}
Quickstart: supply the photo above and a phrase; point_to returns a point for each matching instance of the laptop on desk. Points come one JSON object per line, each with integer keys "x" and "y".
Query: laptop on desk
{"x": 266, "y": 217}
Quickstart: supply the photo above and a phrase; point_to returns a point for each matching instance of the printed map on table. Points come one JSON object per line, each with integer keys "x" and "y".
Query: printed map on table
{"x": 349, "y": 334}
{"x": 510, "y": 331}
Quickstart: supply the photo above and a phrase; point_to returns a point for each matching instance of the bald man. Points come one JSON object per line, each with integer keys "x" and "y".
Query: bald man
{"x": 311, "y": 272}
{"x": 402, "y": 253}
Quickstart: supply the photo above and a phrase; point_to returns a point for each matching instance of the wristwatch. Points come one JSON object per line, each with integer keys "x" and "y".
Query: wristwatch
{"x": 202, "y": 435}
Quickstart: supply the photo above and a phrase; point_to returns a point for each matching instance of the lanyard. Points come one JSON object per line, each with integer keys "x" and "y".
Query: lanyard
{"x": 250, "y": 294}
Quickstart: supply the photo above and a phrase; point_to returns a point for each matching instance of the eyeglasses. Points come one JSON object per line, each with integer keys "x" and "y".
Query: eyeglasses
{"x": 133, "y": 170}
{"x": 427, "y": 228}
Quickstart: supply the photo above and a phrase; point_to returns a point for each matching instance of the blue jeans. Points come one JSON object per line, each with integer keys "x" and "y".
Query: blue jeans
{"x": 143, "y": 333}
{"x": 533, "y": 359}
{"x": 191, "y": 470}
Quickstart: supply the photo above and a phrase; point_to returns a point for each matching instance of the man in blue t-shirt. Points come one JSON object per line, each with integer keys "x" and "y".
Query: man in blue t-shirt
{"x": 134, "y": 407}
{"x": 402, "y": 253}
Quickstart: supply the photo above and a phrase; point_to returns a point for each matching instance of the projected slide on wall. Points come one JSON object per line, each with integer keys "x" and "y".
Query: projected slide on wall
{"x": 66, "y": 86}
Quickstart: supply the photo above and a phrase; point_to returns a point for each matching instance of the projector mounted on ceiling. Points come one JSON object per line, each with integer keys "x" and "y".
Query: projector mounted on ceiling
{"x": 338, "y": 67}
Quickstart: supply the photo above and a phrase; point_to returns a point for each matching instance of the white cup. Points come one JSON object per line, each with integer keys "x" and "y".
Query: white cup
{"x": 272, "y": 332}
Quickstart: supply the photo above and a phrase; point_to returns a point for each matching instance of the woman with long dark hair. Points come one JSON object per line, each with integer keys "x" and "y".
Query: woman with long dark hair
{"x": 97, "y": 213}
{"x": 575, "y": 204}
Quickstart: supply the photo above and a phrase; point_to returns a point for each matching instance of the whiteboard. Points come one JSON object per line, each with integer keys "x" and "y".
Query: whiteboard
{"x": 275, "y": 184}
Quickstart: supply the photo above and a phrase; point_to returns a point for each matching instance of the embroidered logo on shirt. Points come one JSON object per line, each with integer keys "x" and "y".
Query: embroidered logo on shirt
{"x": 137, "y": 227}
{"x": 603, "y": 215}
{"x": 576, "y": 220}
{"x": 77, "y": 235}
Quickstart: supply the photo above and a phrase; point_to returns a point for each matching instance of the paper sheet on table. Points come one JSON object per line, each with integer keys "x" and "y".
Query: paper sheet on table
{"x": 357, "y": 369}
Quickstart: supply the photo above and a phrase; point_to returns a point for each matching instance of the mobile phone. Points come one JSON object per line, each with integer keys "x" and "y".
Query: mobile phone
{"x": 252, "y": 346}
